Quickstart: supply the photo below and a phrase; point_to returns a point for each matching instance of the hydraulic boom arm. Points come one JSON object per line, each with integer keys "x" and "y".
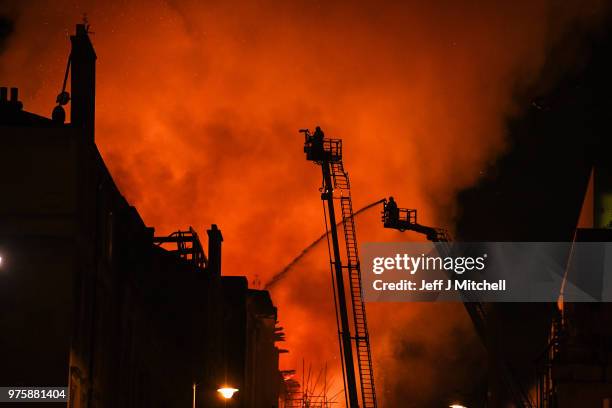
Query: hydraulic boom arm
{"x": 404, "y": 219}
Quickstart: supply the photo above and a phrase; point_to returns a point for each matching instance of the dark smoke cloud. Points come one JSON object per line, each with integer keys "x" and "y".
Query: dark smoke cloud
{"x": 6, "y": 29}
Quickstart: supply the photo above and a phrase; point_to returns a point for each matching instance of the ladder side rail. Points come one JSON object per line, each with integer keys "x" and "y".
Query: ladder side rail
{"x": 336, "y": 306}
{"x": 362, "y": 343}
{"x": 348, "y": 362}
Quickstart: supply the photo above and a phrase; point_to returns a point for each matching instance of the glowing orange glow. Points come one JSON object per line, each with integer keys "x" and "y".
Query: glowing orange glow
{"x": 227, "y": 392}
{"x": 199, "y": 106}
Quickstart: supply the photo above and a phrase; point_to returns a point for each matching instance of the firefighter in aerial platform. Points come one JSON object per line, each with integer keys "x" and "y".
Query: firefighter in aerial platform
{"x": 314, "y": 144}
{"x": 391, "y": 212}
{"x": 317, "y": 138}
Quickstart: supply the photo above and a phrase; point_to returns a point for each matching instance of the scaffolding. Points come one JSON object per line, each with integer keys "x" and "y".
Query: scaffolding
{"x": 188, "y": 247}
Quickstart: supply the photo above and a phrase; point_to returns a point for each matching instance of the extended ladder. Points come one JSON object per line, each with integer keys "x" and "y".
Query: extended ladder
{"x": 328, "y": 154}
{"x": 362, "y": 337}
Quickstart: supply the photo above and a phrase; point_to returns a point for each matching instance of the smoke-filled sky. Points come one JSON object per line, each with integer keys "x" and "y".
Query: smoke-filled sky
{"x": 198, "y": 107}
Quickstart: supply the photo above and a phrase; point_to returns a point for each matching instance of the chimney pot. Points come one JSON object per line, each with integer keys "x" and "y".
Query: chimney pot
{"x": 4, "y": 94}
{"x": 83, "y": 82}
{"x": 214, "y": 250}
{"x": 14, "y": 95}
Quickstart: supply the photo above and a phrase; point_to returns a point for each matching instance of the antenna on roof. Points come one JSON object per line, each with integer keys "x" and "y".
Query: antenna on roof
{"x": 86, "y": 24}
{"x": 256, "y": 282}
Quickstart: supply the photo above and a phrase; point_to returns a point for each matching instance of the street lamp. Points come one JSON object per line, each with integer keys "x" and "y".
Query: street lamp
{"x": 227, "y": 392}
{"x": 457, "y": 406}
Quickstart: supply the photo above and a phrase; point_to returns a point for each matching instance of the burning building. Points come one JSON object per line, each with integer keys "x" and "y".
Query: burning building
{"x": 554, "y": 186}
{"x": 92, "y": 299}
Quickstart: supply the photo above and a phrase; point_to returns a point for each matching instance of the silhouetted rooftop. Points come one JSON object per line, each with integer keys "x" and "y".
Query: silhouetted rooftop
{"x": 12, "y": 113}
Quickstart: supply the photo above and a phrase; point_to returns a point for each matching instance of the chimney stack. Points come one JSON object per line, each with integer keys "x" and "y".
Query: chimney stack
{"x": 14, "y": 95}
{"x": 214, "y": 250}
{"x": 13, "y": 104}
{"x": 83, "y": 81}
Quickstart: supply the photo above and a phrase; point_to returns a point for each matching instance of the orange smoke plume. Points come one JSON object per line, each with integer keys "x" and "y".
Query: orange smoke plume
{"x": 199, "y": 103}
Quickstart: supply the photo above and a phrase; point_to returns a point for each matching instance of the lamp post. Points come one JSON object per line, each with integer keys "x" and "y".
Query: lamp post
{"x": 194, "y": 394}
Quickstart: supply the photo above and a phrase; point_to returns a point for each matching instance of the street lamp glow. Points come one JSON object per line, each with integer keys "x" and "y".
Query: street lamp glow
{"x": 227, "y": 392}
{"x": 457, "y": 406}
